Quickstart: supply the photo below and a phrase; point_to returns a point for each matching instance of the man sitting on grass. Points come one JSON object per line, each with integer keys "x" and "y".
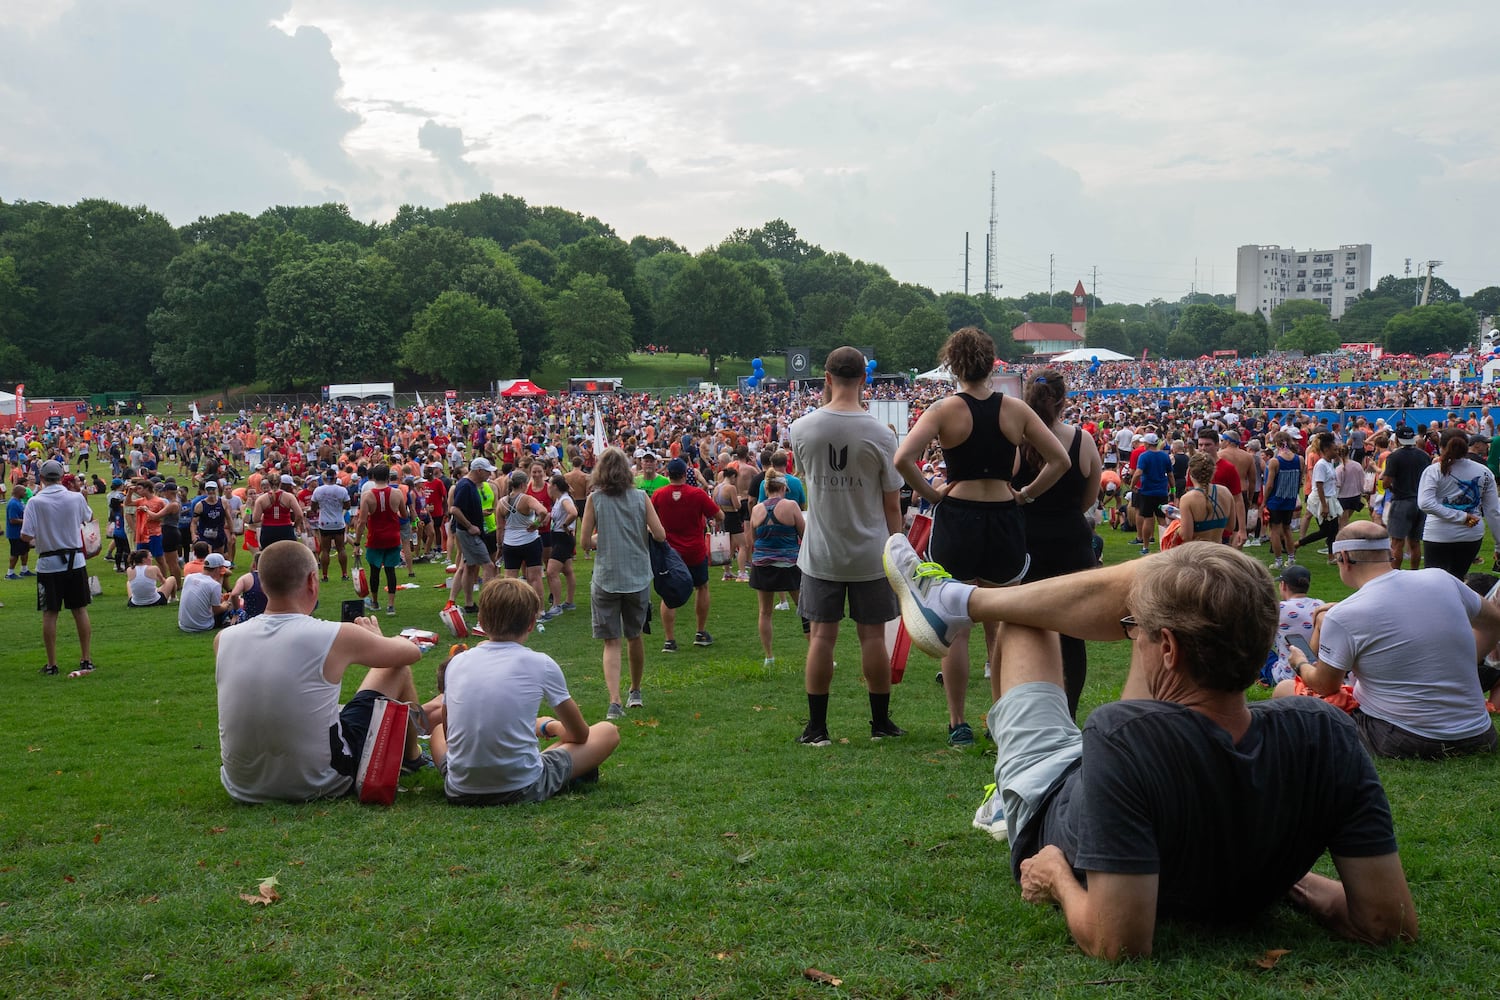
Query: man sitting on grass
{"x": 1180, "y": 800}
{"x": 485, "y": 728}
{"x": 282, "y": 735}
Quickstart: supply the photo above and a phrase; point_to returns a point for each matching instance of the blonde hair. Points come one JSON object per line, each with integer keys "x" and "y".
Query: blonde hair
{"x": 283, "y": 567}
{"x": 508, "y": 606}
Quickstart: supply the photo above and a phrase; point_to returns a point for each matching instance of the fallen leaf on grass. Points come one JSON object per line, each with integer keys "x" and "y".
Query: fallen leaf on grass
{"x": 32, "y": 749}
{"x": 557, "y": 990}
{"x": 457, "y": 870}
{"x": 98, "y": 837}
{"x": 819, "y": 976}
{"x": 153, "y": 898}
{"x": 265, "y": 893}
{"x": 1271, "y": 957}
{"x": 218, "y": 829}
{"x": 756, "y": 708}
{"x": 722, "y": 956}
{"x": 729, "y": 836}
{"x": 844, "y": 740}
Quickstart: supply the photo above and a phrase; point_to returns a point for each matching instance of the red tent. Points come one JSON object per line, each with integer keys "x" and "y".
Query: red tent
{"x": 523, "y": 387}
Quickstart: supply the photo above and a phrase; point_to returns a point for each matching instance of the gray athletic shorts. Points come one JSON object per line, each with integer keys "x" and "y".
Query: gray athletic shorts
{"x": 471, "y": 548}
{"x": 1404, "y": 520}
{"x": 557, "y": 771}
{"x": 1036, "y": 744}
{"x": 871, "y": 602}
{"x": 615, "y": 616}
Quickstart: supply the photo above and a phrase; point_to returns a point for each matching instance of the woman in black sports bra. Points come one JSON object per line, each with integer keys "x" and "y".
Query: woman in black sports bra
{"x": 978, "y": 533}
{"x": 1059, "y": 537}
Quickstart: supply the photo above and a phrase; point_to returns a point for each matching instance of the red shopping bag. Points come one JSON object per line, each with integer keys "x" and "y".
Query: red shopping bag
{"x": 452, "y": 617}
{"x": 919, "y": 535}
{"x": 385, "y": 747}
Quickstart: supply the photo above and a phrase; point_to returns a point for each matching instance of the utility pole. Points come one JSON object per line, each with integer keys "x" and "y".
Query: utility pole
{"x": 1051, "y": 275}
{"x": 1096, "y": 287}
{"x": 1408, "y": 267}
{"x": 992, "y": 244}
{"x": 966, "y": 263}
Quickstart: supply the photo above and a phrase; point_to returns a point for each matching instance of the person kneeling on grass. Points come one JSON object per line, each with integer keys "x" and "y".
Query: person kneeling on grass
{"x": 485, "y": 730}
{"x": 282, "y": 735}
{"x": 1181, "y": 800}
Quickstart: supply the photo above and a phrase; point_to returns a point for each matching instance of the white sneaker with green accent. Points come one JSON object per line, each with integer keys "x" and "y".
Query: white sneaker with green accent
{"x": 934, "y": 606}
{"x": 990, "y": 816}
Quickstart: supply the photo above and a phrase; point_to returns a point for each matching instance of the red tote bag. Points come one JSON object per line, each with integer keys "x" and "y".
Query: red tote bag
{"x": 920, "y": 533}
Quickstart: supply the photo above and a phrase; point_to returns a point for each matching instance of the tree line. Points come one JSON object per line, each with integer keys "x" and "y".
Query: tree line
{"x": 101, "y": 296}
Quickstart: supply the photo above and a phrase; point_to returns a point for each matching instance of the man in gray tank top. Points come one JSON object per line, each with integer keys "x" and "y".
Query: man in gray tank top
{"x": 282, "y": 734}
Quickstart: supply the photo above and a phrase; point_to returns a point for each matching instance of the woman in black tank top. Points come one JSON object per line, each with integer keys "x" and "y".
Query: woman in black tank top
{"x": 1059, "y": 538}
{"x": 977, "y": 533}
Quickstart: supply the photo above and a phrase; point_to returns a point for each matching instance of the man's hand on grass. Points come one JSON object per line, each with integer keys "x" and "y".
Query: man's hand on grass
{"x": 1040, "y": 872}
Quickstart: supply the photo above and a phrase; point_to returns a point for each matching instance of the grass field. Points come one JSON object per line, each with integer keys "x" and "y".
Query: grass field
{"x": 715, "y": 858}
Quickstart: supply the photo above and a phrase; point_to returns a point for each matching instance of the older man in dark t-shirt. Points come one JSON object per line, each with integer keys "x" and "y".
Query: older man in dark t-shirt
{"x": 1180, "y": 800}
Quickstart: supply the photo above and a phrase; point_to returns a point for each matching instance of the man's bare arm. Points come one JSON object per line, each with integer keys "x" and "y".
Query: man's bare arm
{"x": 1372, "y": 904}
{"x": 1114, "y": 918}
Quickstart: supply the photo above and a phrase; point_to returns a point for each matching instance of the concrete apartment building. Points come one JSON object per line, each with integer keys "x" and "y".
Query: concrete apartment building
{"x": 1267, "y": 276}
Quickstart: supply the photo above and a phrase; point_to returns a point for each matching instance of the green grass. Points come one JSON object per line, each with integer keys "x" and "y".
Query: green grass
{"x": 715, "y": 858}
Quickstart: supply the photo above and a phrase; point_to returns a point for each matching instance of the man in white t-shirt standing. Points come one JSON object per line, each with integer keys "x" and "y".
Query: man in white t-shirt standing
{"x": 1416, "y": 684}
{"x": 52, "y": 525}
{"x": 329, "y": 502}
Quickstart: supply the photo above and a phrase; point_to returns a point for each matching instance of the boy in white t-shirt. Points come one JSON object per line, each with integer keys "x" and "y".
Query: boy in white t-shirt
{"x": 485, "y": 733}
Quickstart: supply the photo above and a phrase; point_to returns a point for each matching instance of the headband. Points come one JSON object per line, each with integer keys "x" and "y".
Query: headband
{"x": 1361, "y": 545}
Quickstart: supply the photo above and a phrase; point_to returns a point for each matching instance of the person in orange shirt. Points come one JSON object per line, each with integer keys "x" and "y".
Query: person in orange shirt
{"x": 149, "y": 510}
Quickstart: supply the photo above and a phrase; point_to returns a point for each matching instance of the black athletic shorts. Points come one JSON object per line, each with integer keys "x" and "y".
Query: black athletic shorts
{"x": 69, "y": 589}
{"x": 563, "y": 546}
{"x": 977, "y": 540}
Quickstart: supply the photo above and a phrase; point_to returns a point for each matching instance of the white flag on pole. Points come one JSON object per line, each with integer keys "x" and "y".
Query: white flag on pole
{"x": 197, "y": 419}
{"x": 419, "y": 402}
{"x": 448, "y": 413}
{"x": 599, "y": 444}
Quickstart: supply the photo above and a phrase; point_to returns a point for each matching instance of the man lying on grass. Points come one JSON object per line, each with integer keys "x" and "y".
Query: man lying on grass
{"x": 282, "y": 735}
{"x": 485, "y": 727}
{"x": 1181, "y": 800}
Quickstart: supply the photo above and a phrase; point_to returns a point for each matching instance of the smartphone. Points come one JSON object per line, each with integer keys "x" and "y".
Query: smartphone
{"x": 350, "y": 610}
{"x": 1297, "y": 642}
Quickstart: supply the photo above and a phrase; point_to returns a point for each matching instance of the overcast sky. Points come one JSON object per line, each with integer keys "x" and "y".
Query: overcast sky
{"x": 1139, "y": 138}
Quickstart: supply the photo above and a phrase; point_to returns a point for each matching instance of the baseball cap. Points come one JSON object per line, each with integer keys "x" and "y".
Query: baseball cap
{"x": 676, "y": 467}
{"x": 215, "y": 561}
{"x": 211, "y": 485}
{"x": 287, "y": 480}
{"x": 1479, "y": 439}
{"x": 1151, "y": 439}
{"x": 481, "y": 465}
{"x": 1405, "y": 434}
{"x": 51, "y": 469}
{"x": 1296, "y": 577}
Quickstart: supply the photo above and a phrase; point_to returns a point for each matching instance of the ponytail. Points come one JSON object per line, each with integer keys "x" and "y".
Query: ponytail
{"x": 1455, "y": 446}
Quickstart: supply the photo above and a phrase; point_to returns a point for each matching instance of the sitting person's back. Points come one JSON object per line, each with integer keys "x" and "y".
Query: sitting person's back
{"x": 202, "y": 607}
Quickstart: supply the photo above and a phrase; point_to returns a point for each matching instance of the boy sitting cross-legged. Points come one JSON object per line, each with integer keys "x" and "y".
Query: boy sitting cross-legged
{"x": 484, "y": 736}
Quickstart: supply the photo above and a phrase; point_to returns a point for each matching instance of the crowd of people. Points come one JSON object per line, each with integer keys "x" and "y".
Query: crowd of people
{"x": 807, "y": 497}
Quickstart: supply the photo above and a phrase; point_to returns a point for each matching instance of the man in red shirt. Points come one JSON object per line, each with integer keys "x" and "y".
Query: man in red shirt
{"x": 1227, "y": 476}
{"x": 685, "y": 511}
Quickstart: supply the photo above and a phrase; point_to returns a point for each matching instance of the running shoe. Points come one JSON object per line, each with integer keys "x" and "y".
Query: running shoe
{"x": 703, "y": 639}
{"x": 885, "y": 730}
{"x": 960, "y": 735}
{"x": 814, "y": 737}
{"x": 990, "y": 816}
{"x": 634, "y": 699}
{"x": 615, "y": 711}
{"x": 934, "y": 606}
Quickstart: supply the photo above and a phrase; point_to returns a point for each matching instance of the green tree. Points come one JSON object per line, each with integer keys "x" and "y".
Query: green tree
{"x": 591, "y": 324}
{"x": 1246, "y": 334}
{"x": 556, "y": 227}
{"x": 919, "y": 336}
{"x": 1203, "y": 325}
{"x": 1051, "y": 314}
{"x": 460, "y": 341}
{"x": 767, "y": 277}
{"x": 1286, "y": 315}
{"x": 960, "y": 310}
{"x": 892, "y": 299}
{"x": 1183, "y": 344}
{"x": 656, "y": 273}
{"x": 1486, "y": 300}
{"x": 645, "y": 247}
{"x": 326, "y": 223}
{"x": 534, "y": 259}
{"x": 611, "y": 258}
{"x": 1364, "y": 320}
{"x": 1408, "y": 291}
{"x": 874, "y": 330}
{"x": 1446, "y": 326}
{"x": 328, "y": 317}
{"x": 499, "y": 284}
{"x": 204, "y": 331}
{"x": 230, "y": 229}
{"x": 1310, "y": 335}
{"x": 821, "y": 319}
{"x": 504, "y": 218}
{"x": 1108, "y": 332}
{"x": 711, "y": 305}
{"x": 776, "y": 240}
{"x": 426, "y": 261}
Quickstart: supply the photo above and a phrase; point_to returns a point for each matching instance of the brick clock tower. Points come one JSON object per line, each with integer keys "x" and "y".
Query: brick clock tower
{"x": 1080, "y": 314}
